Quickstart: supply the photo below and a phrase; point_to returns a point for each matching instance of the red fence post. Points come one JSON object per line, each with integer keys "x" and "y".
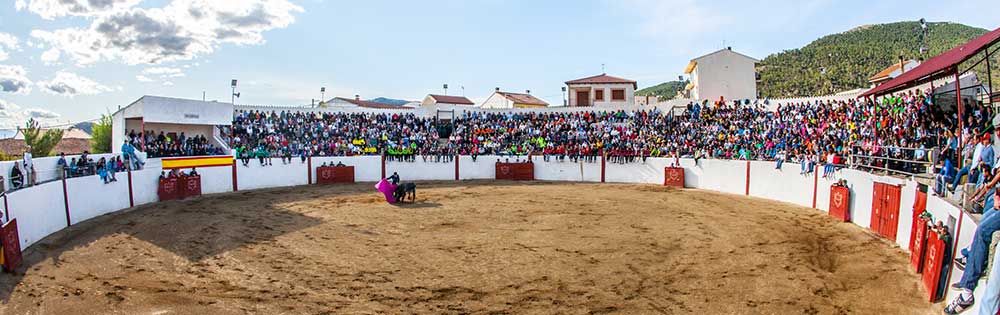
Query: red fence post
{"x": 6, "y": 209}
{"x": 815, "y": 184}
{"x": 309, "y": 167}
{"x": 383, "y": 165}
{"x": 236, "y": 186}
{"x": 456, "y": 166}
{"x": 604, "y": 156}
{"x": 748, "y": 178}
{"x": 66, "y": 201}
{"x": 131, "y": 198}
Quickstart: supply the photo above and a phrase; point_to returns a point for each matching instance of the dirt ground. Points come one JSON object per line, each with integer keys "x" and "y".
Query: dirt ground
{"x": 466, "y": 248}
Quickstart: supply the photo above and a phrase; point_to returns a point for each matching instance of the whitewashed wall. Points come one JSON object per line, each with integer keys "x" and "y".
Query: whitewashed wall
{"x": 91, "y": 197}
{"x": 40, "y": 210}
{"x": 255, "y": 176}
{"x": 366, "y": 168}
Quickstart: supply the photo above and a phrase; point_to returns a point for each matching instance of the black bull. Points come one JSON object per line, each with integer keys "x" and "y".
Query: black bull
{"x": 405, "y": 190}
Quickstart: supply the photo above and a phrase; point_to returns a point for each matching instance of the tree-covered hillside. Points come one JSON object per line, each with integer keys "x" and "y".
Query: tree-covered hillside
{"x": 846, "y": 60}
{"x": 663, "y": 91}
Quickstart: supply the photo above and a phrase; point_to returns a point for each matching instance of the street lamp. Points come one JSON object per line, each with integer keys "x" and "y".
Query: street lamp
{"x": 446, "y": 89}
{"x": 564, "y": 95}
{"x": 235, "y": 95}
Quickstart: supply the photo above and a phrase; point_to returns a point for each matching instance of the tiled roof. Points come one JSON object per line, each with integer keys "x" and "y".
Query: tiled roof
{"x": 370, "y": 104}
{"x": 448, "y": 99}
{"x": 602, "y": 79}
{"x": 885, "y": 73}
{"x": 521, "y": 98}
{"x": 16, "y": 147}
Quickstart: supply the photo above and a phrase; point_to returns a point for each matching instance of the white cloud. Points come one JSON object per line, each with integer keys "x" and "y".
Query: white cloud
{"x": 20, "y": 5}
{"x": 51, "y": 56}
{"x": 161, "y": 71}
{"x": 7, "y": 42}
{"x": 13, "y": 79}
{"x": 142, "y": 78}
{"x": 50, "y": 9}
{"x": 70, "y": 84}
{"x": 182, "y": 30}
{"x": 11, "y": 115}
{"x": 38, "y": 113}
{"x": 168, "y": 83}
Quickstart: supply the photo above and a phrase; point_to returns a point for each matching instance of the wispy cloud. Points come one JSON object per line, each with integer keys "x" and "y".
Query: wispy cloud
{"x": 50, "y": 9}
{"x": 14, "y": 79}
{"x": 182, "y": 30}
{"x": 12, "y": 116}
{"x": 7, "y": 42}
{"x": 70, "y": 84}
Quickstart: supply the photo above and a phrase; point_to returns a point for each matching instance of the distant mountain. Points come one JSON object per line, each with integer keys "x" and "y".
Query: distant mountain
{"x": 845, "y": 61}
{"x": 663, "y": 91}
{"x": 390, "y": 101}
{"x": 86, "y": 126}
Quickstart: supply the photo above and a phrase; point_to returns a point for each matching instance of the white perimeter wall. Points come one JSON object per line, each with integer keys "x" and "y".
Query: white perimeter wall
{"x": 41, "y": 210}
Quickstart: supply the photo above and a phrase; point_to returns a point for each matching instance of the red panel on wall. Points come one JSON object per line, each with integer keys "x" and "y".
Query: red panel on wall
{"x": 840, "y": 201}
{"x": 11, "y": 245}
{"x": 168, "y": 189}
{"x": 192, "y": 186}
{"x": 933, "y": 264}
{"x": 673, "y": 177}
{"x": 334, "y": 174}
{"x": 918, "y": 245}
{"x": 515, "y": 171}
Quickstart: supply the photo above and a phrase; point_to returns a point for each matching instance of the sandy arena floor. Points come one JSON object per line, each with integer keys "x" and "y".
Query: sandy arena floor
{"x": 475, "y": 248}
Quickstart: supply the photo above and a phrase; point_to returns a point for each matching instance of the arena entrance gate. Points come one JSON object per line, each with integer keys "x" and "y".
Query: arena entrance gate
{"x": 885, "y": 210}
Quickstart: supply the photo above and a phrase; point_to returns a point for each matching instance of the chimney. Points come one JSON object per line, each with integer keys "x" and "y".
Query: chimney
{"x": 729, "y": 47}
{"x": 527, "y": 91}
{"x": 497, "y": 89}
{"x": 357, "y": 97}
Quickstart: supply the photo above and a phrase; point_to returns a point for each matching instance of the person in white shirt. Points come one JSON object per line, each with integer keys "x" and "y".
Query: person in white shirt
{"x": 28, "y": 165}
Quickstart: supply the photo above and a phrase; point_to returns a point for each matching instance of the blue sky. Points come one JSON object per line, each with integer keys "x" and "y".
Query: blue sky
{"x": 65, "y": 61}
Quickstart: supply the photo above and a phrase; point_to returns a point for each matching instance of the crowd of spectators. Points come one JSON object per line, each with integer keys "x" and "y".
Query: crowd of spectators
{"x": 85, "y": 165}
{"x": 165, "y": 145}
{"x": 262, "y": 135}
{"x": 896, "y": 133}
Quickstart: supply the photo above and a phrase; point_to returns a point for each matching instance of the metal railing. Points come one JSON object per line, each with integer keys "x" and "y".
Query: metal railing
{"x": 923, "y": 167}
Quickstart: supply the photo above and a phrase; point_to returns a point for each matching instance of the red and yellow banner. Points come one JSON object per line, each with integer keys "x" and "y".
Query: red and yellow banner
{"x": 200, "y": 161}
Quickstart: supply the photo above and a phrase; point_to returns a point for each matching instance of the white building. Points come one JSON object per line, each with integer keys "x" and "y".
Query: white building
{"x": 724, "y": 73}
{"x": 171, "y": 116}
{"x": 505, "y": 100}
{"x": 601, "y": 90}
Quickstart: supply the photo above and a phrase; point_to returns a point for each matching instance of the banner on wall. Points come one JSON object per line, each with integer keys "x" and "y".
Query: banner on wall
{"x": 199, "y": 161}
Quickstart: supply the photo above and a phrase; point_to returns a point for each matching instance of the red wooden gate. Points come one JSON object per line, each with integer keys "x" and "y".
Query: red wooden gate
{"x": 918, "y": 244}
{"x": 885, "y": 210}
{"x": 11, "y": 246}
{"x": 933, "y": 264}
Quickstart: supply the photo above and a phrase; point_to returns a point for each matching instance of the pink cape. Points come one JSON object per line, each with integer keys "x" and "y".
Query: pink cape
{"x": 387, "y": 189}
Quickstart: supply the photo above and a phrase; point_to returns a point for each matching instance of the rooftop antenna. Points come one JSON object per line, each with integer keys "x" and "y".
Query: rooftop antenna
{"x": 602, "y": 69}
{"x": 446, "y": 89}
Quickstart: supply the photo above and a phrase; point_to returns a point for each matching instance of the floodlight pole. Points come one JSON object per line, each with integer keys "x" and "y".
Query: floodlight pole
{"x": 989, "y": 77}
{"x": 961, "y": 119}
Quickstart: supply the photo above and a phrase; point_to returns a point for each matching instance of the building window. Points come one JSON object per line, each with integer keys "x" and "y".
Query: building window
{"x": 617, "y": 95}
{"x": 598, "y": 95}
